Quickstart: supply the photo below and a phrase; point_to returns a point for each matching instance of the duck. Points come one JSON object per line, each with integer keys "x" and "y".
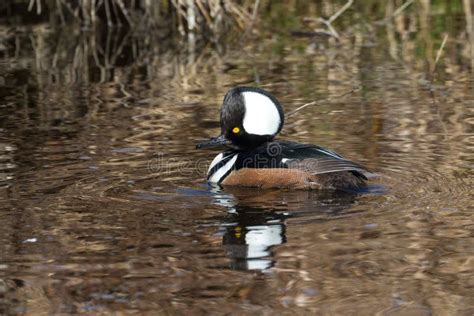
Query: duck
{"x": 250, "y": 119}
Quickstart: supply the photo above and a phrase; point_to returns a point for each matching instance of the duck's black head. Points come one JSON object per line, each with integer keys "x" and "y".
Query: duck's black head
{"x": 249, "y": 117}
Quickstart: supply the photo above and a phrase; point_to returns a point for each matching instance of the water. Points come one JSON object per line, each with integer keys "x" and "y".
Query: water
{"x": 104, "y": 206}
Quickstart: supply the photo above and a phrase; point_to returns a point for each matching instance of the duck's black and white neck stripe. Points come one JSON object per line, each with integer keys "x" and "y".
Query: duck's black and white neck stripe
{"x": 221, "y": 166}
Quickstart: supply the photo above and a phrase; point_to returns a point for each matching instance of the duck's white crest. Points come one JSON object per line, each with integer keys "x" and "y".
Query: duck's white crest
{"x": 261, "y": 114}
{"x": 217, "y": 176}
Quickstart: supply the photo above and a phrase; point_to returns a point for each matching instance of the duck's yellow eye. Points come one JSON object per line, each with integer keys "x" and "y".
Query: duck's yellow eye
{"x": 235, "y": 130}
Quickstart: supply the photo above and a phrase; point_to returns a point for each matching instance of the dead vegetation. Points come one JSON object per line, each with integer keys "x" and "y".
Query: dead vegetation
{"x": 431, "y": 38}
{"x": 184, "y": 16}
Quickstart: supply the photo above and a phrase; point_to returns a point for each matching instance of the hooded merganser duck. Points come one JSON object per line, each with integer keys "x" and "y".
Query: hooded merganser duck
{"x": 250, "y": 120}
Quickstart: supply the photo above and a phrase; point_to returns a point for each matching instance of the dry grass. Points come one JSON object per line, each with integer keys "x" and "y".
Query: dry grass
{"x": 184, "y": 16}
{"x": 63, "y": 52}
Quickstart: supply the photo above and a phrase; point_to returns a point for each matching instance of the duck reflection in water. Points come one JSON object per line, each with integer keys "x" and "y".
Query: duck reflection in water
{"x": 257, "y": 220}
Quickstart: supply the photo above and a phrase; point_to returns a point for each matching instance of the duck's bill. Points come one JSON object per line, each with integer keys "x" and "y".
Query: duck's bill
{"x": 214, "y": 142}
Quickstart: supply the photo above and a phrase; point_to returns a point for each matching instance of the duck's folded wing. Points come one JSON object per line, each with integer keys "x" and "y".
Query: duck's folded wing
{"x": 317, "y": 160}
{"x": 326, "y": 165}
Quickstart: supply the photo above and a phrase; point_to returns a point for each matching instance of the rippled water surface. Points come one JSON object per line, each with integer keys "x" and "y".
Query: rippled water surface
{"x": 104, "y": 206}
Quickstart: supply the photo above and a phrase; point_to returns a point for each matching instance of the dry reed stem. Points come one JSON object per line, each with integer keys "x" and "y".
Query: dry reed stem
{"x": 399, "y": 10}
{"x": 189, "y": 15}
{"x": 438, "y": 54}
{"x": 340, "y": 11}
{"x": 470, "y": 28}
{"x": 328, "y": 23}
{"x": 291, "y": 113}
{"x": 204, "y": 13}
{"x": 38, "y": 6}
